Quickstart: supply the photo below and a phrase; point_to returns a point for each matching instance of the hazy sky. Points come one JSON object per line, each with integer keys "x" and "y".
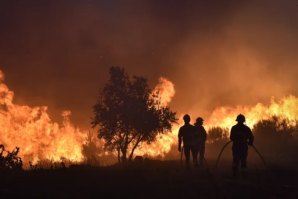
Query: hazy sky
{"x": 216, "y": 52}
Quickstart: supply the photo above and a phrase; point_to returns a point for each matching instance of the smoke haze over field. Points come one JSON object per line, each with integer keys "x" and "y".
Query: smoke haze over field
{"x": 217, "y": 53}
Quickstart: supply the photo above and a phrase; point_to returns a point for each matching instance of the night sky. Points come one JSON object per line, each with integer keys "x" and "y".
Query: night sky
{"x": 217, "y": 53}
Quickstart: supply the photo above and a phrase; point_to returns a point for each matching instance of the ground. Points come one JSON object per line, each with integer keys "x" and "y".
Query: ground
{"x": 150, "y": 179}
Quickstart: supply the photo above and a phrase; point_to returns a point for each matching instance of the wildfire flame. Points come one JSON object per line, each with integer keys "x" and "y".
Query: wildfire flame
{"x": 39, "y": 138}
{"x": 224, "y": 117}
{"x": 165, "y": 89}
{"x": 31, "y": 129}
{"x": 285, "y": 108}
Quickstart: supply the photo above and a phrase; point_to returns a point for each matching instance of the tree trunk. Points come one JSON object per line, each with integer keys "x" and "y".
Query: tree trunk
{"x": 124, "y": 154}
{"x": 134, "y": 147}
{"x": 118, "y": 155}
{"x": 124, "y": 158}
{"x": 124, "y": 149}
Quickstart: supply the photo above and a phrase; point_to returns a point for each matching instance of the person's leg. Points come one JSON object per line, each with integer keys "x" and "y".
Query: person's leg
{"x": 243, "y": 163}
{"x": 236, "y": 161}
{"x": 243, "y": 159}
{"x": 187, "y": 154}
{"x": 194, "y": 152}
{"x": 202, "y": 155}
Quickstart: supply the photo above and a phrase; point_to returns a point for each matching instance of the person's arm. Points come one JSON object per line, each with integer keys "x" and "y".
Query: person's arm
{"x": 179, "y": 140}
{"x": 232, "y": 134}
{"x": 204, "y": 135}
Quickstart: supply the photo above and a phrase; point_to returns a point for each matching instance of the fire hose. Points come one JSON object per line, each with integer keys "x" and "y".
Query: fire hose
{"x": 256, "y": 150}
{"x": 212, "y": 177}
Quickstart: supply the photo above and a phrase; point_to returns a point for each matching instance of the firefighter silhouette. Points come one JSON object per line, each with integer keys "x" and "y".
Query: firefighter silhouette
{"x": 201, "y": 138}
{"x": 241, "y": 136}
{"x": 187, "y": 134}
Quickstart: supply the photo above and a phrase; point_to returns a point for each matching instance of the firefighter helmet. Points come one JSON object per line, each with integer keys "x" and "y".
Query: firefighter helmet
{"x": 199, "y": 119}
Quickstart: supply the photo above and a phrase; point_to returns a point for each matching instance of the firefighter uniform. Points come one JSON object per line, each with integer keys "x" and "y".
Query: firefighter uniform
{"x": 201, "y": 138}
{"x": 241, "y": 136}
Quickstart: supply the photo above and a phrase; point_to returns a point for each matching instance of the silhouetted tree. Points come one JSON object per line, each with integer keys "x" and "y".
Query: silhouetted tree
{"x": 127, "y": 113}
{"x": 275, "y": 128}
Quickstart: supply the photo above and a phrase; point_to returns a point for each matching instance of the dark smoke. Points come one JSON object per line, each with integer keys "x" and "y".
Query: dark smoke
{"x": 57, "y": 53}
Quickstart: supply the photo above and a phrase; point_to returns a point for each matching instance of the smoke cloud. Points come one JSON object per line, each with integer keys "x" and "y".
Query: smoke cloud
{"x": 217, "y": 53}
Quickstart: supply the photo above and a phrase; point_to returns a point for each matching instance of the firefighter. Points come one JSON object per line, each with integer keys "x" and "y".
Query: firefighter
{"x": 241, "y": 136}
{"x": 187, "y": 135}
{"x": 201, "y": 138}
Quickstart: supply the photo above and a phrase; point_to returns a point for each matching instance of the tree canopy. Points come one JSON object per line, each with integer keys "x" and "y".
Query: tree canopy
{"x": 128, "y": 113}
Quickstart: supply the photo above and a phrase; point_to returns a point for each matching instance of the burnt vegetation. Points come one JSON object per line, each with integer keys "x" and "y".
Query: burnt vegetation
{"x": 9, "y": 160}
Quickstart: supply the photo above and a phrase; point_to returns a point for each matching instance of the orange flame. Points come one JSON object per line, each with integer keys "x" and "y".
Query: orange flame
{"x": 39, "y": 138}
{"x": 165, "y": 89}
{"x": 31, "y": 129}
{"x": 285, "y": 108}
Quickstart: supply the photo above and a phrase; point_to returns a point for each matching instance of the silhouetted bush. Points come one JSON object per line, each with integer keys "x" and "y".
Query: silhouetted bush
{"x": 50, "y": 164}
{"x": 91, "y": 151}
{"x": 10, "y": 160}
{"x": 218, "y": 134}
{"x": 275, "y": 138}
{"x": 216, "y": 138}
